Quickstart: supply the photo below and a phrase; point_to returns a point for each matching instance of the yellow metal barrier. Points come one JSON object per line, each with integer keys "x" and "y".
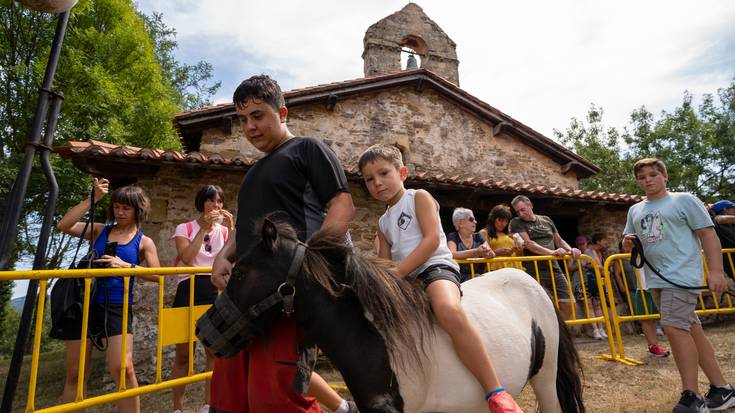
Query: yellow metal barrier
{"x": 617, "y": 318}
{"x": 175, "y": 325}
{"x": 575, "y": 319}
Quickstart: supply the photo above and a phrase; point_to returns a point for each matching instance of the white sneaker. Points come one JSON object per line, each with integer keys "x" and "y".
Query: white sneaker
{"x": 596, "y": 335}
{"x": 603, "y": 333}
{"x": 660, "y": 332}
{"x": 205, "y": 409}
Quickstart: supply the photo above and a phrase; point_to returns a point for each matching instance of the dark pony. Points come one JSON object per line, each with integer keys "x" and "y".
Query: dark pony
{"x": 397, "y": 307}
{"x": 377, "y": 329}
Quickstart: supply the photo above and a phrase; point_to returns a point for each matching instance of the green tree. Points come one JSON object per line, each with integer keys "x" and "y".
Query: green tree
{"x": 603, "y": 146}
{"x": 697, "y": 144}
{"x": 121, "y": 84}
{"x": 189, "y": 81}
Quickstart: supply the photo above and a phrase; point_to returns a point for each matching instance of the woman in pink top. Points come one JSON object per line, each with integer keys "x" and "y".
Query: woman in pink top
{"x": 197, "y": 244}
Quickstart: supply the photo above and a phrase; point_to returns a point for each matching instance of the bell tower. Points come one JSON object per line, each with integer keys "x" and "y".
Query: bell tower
{"x": 409, "y": 30}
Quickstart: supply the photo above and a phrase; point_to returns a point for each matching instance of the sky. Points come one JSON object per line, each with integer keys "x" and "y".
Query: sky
{"x": 541, "y": 62}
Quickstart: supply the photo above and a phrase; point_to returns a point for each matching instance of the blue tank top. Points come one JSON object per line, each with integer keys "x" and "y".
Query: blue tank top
{"x": 111, "y": 289}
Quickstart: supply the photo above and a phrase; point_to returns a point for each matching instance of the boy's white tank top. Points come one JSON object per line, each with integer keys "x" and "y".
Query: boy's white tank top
{"x": 401, "y": 229}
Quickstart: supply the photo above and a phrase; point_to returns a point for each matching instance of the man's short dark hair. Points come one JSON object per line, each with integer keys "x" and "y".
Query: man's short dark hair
{"x": 259, "y": 87}
{"x": 208, "y": 192}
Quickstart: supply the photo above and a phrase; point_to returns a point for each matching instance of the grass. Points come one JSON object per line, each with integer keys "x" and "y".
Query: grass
{"x": 608, "y": 386}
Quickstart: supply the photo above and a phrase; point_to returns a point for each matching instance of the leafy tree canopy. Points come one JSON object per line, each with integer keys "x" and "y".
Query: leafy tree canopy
{"x": 121, "y": 84}
{"x": 697, "y": 143}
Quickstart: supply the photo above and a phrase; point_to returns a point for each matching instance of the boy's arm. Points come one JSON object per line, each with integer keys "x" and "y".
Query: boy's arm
{"x": 725, "y": 219}
{"x": 428, "y": 218}
{"x": 713, "y": 252}
{"x": 340, "y": 213}
{"x": 383, "y": 247}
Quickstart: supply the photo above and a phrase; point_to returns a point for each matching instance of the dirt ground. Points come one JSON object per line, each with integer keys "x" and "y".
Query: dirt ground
{"x": 652, "y": 387}
{"x": 608, "y": 386}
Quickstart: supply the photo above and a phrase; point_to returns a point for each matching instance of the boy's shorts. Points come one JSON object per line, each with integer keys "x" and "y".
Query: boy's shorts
{"x": 676, "y": 307}
{"x": 439, "y": 272}
{"x": 638, "y": 308}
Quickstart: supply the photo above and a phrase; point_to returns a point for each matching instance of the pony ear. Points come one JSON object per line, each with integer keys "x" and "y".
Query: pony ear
{"x": 269, "y": 234}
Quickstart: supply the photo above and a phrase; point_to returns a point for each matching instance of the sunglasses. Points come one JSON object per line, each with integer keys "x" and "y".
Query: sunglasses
{"x": 207, "y": 245}
{"x": 471, "y": 219}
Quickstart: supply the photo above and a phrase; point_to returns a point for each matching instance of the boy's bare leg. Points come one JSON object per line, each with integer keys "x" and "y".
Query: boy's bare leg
{"x": 649, "y": 331}
{"x": 323, "y": 392}
{"x": 445, "y": 302}
{"x": 685, "y": 354}
{"x": 707, "y": 359}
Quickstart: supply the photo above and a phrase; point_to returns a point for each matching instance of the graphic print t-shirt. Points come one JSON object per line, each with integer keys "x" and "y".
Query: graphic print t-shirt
{"x": 666, "y": 229}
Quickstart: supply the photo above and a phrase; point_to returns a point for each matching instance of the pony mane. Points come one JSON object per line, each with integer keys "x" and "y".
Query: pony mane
{"x": 397, "y": 307}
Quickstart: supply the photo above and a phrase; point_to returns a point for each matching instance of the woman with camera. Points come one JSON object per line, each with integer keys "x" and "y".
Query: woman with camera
{"x": 119, "y": 244}
{"x": 197, "y": 244}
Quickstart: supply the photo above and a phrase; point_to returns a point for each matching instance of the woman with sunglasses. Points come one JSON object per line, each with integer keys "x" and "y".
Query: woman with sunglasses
{"x": 466, "y": 243}
{"x": 197, "y": 244}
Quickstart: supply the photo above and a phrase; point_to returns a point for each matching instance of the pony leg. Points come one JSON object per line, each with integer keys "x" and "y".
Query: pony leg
{"x": 544, "y": 386}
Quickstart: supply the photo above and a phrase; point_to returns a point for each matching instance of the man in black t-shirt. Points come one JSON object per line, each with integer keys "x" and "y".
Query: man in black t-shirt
{"x": 301, "y": 180}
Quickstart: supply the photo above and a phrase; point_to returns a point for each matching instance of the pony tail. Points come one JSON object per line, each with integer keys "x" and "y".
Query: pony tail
{"x": 568, "y": 372}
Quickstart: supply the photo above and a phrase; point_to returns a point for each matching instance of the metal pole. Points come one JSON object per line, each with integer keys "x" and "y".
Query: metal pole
{"x": 14, "y": 207}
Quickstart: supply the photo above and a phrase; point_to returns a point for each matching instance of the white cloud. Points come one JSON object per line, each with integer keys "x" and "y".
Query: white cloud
{"x": 541, "y": 62}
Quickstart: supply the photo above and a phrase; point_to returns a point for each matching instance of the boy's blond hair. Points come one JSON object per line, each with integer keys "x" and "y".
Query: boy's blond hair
{"x": 381, "y": 152}
{"x": 654, "y": 163}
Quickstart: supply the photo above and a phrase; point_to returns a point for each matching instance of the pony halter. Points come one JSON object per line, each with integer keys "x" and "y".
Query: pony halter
{"x": 225, "y": 330}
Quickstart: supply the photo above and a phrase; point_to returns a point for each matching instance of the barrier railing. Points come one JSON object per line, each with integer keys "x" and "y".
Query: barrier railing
{"x": 175, "y": 325}
{"x": 588, "y": 315}
{"x": 720, "y": 305}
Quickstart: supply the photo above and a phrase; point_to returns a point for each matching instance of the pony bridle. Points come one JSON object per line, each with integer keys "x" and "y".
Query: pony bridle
{"x": 224, "y": 329}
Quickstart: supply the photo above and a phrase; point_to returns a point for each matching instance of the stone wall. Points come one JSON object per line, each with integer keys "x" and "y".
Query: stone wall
{"x": 412, "y": 28}
{"x": 437, "y": 136}
{"x": 172, "y": 194}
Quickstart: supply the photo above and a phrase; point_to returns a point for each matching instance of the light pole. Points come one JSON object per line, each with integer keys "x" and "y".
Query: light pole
{"x": 47, "y": 108}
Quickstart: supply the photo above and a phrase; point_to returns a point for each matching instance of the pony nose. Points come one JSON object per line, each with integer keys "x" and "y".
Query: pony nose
{"x": 223, "y": 329}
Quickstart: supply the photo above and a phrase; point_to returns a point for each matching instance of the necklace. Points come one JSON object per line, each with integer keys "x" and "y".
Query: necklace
{"x": 467, "y": 245}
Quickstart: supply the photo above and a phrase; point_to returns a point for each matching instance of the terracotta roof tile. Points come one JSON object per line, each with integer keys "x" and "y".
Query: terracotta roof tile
{"x": 97, "y": 149}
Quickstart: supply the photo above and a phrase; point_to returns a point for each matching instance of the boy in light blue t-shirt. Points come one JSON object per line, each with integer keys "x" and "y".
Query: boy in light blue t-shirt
{"x": 673, "y": 228}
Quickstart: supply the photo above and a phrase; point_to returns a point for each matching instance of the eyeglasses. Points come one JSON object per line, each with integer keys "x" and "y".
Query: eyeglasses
{"x": 471, "y": 219}
{"x": 207, "y": 245}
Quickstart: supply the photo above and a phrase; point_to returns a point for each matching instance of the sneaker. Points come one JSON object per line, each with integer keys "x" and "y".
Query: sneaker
{"x": 177, "y": 411}
{"x": 658, "y": 350}
{"x": 720, "y": 398}
{"x": 660, "y": 332}
{"x": 603, "y": 333}
{"x": 596, "y": 335}
{"x": 502, "y": 402}
{"x": 690, "y": 402}
{"x": 205, "y": 409}
{"x": 353, "y": 407}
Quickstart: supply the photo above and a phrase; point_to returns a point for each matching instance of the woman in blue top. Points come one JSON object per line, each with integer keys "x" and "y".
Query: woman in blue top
{"x": 128, "y": 208}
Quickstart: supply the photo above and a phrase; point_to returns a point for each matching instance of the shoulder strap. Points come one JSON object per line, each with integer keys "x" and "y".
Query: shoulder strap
{"x": 189, "y": 229}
